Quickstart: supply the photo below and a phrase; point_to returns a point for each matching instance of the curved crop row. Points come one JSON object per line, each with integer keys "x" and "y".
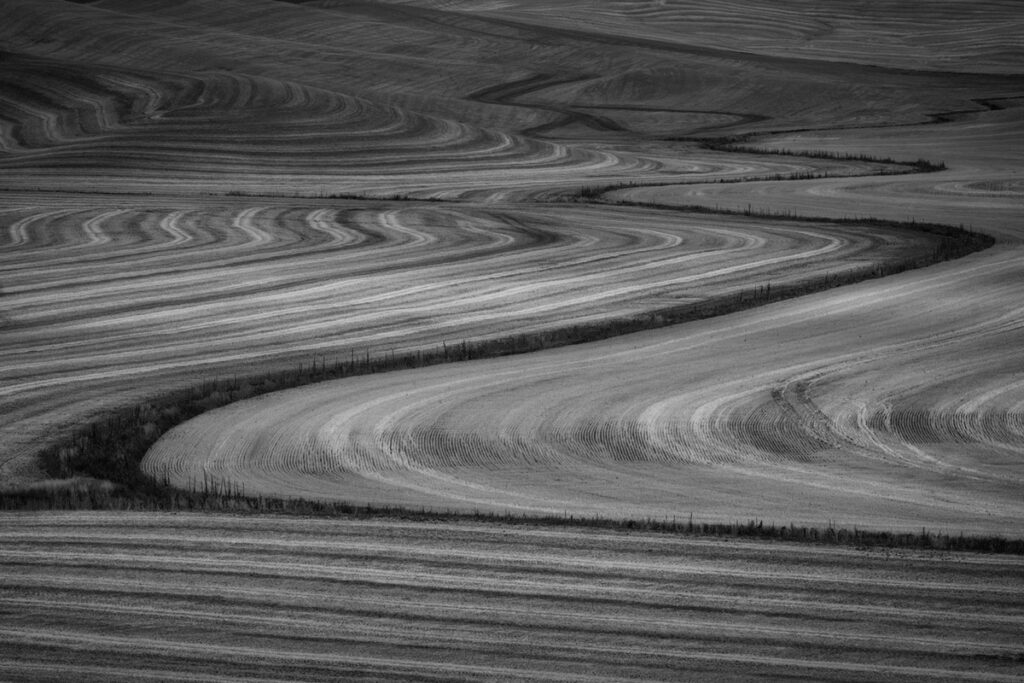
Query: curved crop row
{"x": 108, "y": 301}
{"x": 92, "y": 128}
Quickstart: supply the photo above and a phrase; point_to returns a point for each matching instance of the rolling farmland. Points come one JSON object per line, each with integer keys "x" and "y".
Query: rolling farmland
{"x": 200, "y": 192}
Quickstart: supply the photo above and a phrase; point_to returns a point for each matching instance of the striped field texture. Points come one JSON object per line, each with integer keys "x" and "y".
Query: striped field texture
{"x": 99, "y": 597}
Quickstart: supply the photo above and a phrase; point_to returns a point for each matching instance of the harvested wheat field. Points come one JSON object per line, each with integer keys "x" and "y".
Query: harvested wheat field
{"x": 208, "y": 597}
{"x": 612, "y": 260}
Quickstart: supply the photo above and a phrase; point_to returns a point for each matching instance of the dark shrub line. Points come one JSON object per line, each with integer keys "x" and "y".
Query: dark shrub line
{"x": 734, "y": 144}
{"x": 593, "y": 193}
{"x": 958, "y": 240}
{"x": 393, "y": 197}
{"x": 738, "y": 145}
{"x": 159, "y": 499}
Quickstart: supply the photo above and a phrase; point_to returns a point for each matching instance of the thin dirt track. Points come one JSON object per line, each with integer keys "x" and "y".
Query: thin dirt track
{"x": 101, "y": 596}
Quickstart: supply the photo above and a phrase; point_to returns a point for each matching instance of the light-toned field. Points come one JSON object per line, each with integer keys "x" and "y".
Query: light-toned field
{"x": 226, "y": 188}
{"x": 204, "y": 597}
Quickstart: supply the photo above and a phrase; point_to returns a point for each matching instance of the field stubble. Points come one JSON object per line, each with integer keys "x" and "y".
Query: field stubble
{"x": 180, "y": 596}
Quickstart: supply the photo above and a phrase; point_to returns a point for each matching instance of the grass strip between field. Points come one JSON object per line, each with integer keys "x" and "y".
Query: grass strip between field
{"x": 84, "y": 495}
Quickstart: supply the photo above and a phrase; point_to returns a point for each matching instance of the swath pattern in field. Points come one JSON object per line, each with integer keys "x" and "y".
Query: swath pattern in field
{"x": 209, "y": 597}
{"x": 159, "y": 292}
{"x": 769, "y": 413}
